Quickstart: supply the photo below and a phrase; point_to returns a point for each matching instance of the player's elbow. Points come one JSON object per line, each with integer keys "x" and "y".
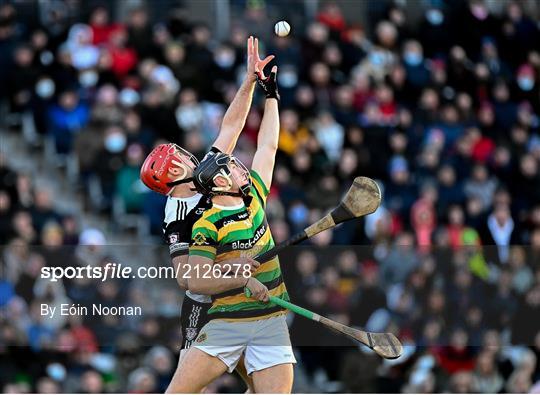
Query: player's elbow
{"x": 272, "y": 147}
{"x": 182, "y": 282}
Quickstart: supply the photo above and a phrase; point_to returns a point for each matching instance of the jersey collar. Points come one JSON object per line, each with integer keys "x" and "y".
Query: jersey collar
{"x": 235, "y": 207}
{"x": 194, "y": 198}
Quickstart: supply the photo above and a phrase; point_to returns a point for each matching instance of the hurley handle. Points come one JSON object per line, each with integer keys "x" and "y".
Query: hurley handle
{"x": 289, "y": 306}
{"x": 266, "y": 256}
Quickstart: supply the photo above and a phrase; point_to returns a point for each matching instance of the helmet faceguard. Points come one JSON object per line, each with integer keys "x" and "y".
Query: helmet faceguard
{"x": 221, "y": 165}
{"x": 167, "y": 166}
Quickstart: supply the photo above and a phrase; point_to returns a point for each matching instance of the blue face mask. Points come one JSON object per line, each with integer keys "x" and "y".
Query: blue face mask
{"x": 225, "y": 59}
{"x": 299, "y": 214}
{"x": 525, "y": 83}
{"x": 434, "y": 17}
{"x": 115, "y": 143}
{"x": 412, "y": 58}
{"x": 88, "y": 78}
{"x": 56, "y": 371}
{"x": 288, "y": 79}
{"x": 45, "y": 88}
{"x": 376, "y": 58}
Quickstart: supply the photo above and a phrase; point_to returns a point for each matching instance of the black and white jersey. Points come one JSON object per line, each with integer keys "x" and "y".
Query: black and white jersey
{"x": 180, "y": 215}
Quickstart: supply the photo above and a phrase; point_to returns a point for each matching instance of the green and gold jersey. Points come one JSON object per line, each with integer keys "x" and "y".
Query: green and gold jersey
{"x": 231, "y": 232}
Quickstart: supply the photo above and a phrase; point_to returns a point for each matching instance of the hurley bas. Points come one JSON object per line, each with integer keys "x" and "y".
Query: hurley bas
{"x": 95, "y": 310}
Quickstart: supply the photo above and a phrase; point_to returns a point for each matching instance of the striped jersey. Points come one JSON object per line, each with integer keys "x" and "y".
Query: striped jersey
{"x": 180, "y": 215}
{"x": 231, "y": 232}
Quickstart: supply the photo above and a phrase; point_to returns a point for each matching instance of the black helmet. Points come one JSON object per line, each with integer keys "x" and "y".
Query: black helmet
{"x": 218, "y": 165}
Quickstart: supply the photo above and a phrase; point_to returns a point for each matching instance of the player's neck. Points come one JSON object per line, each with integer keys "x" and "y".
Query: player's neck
{"x": 183, "y": 191}
{"x": 227, "y": 201}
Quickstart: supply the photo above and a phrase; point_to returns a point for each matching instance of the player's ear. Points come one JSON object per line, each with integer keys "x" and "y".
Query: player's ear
{"x": 181, "y": 172}
{"x": 220, "y": 181}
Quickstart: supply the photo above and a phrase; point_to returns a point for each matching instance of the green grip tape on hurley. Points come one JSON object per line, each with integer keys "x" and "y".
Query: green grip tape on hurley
{"x": 283, "y": 303}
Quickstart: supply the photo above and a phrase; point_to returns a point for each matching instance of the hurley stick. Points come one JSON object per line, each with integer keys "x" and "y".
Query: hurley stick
{"x": 385, "y": 345}
{"x": 362, "y": 198}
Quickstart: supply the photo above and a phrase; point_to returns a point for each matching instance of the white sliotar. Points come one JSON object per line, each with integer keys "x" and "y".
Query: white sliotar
{"x": 282, "y": 28}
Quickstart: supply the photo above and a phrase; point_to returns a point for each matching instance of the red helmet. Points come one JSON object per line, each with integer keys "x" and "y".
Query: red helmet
{"x": 167, "y": 166}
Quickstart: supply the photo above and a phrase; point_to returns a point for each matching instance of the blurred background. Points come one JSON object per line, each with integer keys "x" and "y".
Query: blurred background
{"x": 437, "y": 100}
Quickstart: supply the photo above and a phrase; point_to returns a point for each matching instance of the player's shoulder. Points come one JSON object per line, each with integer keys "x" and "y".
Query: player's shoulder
{"x": 185, "y": 210}
{"x": 211, "y": 215}
{"x": 258, "y": 187}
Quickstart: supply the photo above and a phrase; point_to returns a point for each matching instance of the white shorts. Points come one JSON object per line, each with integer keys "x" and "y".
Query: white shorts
{"x": 265, "y": 343}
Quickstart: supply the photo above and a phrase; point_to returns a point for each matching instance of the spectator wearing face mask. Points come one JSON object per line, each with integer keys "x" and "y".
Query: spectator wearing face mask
{"x": 415, "y": 67}
{"x": 225, "y": 64}
{"x": 83, "y": 53}
{"x": 109, "y": 160}
{"x": 330, "y": 135}
{"x": 434, "y": 31}
{"x": 526, "y": 86}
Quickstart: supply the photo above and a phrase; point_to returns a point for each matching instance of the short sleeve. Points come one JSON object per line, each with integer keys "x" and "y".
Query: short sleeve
{"x": 260, "y": 189}
{"x": 203, "y": 239}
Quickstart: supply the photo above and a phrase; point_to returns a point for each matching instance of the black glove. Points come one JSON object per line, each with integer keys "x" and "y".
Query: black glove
{"x": 269, "y": 85}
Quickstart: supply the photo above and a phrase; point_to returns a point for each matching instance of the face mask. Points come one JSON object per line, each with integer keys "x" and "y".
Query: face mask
{"x": 225, "y": 59}
{"x": 434, "y": 17}
{"x": 45, "y": 88}
{"x": 128, "y": 97}
{"x": 188, "y": 117}
{"x": 412, "y": 58}
{"x": 299, "y": 214}
{"x": 376, "y": 58}
{"x": 56, "y": 371}
{"x": 525, "y": 83}
{"x": 115, "y": 142}
{"x": 103, "y": 362}
{"x": 288, "y": 79}
{"x": 88, "y": 78}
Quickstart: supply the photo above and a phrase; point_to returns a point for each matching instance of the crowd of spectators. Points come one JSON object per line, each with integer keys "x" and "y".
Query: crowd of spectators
{"x": 442, "y": 109}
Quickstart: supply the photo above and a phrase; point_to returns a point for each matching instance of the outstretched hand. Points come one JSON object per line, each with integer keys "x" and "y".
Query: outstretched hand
{"x": 255, "y": 65}
{"x": 269, "y": 84}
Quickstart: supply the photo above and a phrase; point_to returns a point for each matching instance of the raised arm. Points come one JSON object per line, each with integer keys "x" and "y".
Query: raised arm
{"x": 267, "y": 141}
{"x": 235, "y": 116}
